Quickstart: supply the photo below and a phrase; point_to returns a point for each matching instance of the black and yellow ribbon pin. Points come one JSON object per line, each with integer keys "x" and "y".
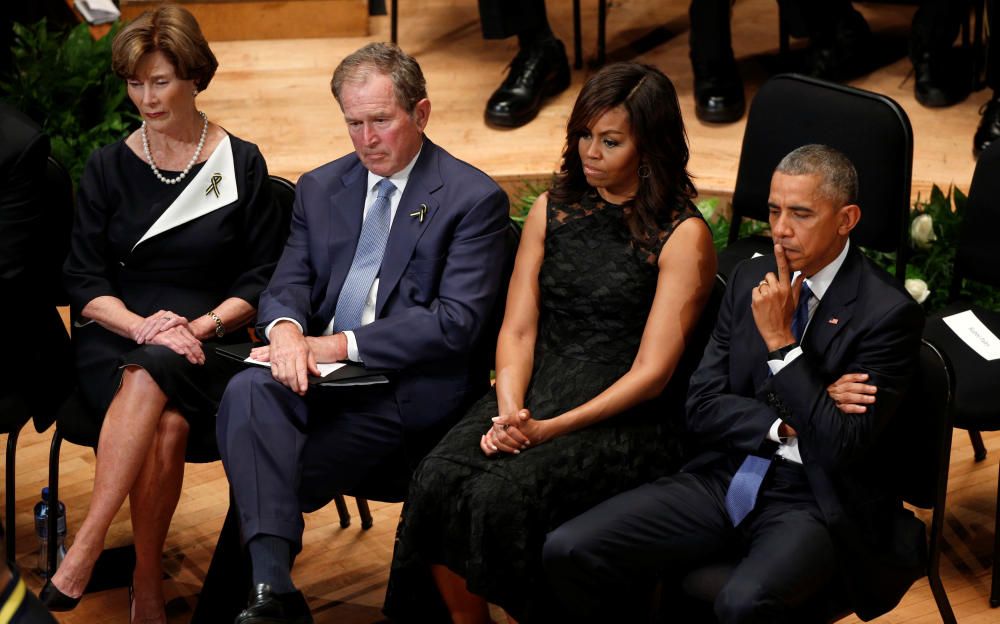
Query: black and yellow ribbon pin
{"x": 213, "y": 186}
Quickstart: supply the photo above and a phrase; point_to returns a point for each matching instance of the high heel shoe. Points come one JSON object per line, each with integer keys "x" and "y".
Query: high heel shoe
{"x": 55, "y": 600}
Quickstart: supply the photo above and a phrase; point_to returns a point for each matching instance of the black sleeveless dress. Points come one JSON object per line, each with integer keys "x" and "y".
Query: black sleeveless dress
{"x": 486, "y": 517}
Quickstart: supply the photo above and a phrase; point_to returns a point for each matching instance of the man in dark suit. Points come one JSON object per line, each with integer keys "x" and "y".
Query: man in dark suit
{"x": 30, "y": 276}
{"x": 786, "y": 483}
{"x": 393, "y": 261}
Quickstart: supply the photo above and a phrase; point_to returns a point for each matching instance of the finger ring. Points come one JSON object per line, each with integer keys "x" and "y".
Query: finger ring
{"x": 167, "y": 318}
{"x": 504, "y": 427}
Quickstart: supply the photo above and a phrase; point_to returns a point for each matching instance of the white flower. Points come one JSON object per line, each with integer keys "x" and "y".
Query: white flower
{"x": 922, "y": 231}
{"x": 917, "y": 289}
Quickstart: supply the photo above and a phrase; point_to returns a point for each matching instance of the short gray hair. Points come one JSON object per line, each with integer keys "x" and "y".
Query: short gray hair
{"x": 389, "y": 60}
{"x": 838, "y": 178}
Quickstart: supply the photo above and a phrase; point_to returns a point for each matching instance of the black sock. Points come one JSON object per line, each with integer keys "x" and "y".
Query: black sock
{"x": 271, "y": 557}
{"x": 536, "y": 36}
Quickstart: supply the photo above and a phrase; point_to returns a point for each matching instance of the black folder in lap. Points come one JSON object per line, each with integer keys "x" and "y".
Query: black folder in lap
{"x": 347, "y": 375}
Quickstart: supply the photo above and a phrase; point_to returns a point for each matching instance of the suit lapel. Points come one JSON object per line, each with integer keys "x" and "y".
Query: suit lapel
{"x": 346, "y": 210}
{"x": 407, "y": 226}
{"x": 836, "y": 308}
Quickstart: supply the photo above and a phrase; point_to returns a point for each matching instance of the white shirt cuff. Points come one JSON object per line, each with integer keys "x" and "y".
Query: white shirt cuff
{"x": 267, "y": 330}
{"x": 772, "y": 435}
{"x": 352, "y": 347}
{"x": 777, "y": 365}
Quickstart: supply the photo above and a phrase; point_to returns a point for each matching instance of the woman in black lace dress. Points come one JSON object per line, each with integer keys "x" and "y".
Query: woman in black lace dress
{"x": 610, "y": 279}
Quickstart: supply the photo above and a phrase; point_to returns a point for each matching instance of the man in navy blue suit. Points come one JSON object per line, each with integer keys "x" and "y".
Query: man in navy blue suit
{"x": 788, "y": 483}
{"x": 393, "y": 261}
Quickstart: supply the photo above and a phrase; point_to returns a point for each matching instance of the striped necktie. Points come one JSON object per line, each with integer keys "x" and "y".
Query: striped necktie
{"x": 367, "y": 260}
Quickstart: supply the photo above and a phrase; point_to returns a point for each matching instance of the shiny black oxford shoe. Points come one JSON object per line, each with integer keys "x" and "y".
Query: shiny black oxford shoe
{"x": 537, "y": 72}
{"x": 267, "y": 607}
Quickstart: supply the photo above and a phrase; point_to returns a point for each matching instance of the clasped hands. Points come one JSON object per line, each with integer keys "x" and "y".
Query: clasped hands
{"x": 293, "y": 356}
{"x": 170, "y": 330}
{"x": 512, "y": 433}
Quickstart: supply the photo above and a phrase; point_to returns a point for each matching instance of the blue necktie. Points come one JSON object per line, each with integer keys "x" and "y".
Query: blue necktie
{"x": 367, "y": 260}
{"x": 742, "y": 494}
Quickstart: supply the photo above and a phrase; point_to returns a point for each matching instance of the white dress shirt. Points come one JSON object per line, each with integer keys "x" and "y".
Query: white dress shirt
{"x": 399, "y": 180}
{"x": 788, "y": 448}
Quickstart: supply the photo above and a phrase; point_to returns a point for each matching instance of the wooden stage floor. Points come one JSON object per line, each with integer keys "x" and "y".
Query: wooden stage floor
{"x": 276, "y": 94}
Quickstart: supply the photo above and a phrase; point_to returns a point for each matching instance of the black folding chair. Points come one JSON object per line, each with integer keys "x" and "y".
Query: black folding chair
{"x": 977, "y": 262}
{"x": 37, "y": 293}
{"x": 870, "y": 129}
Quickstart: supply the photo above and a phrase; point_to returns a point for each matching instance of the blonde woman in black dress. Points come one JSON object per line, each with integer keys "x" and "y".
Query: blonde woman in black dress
{"x": 175, "y": 237}
{"x": 614, "y": 268}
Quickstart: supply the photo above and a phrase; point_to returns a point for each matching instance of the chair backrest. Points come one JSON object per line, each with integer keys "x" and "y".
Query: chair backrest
{"x": 918, "y": 441}
{"x": 59, "y": 208}
{"x": 486, "y": 350}
{"x": 871, "y": 129}
{"x": 978, "y": 256}
{"x": 202, "y": 445}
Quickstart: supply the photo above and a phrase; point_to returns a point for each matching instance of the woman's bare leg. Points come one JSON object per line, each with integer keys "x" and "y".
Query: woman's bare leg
{"x": 126, "y": 437}
{"x": 152, "y": 502}
{"x": 464, "y": 606}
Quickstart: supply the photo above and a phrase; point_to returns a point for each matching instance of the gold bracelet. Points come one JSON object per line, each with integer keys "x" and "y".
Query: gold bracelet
{"x": 220, "y": 329}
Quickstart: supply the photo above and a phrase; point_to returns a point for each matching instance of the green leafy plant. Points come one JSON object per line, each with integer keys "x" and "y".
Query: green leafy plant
{"x": 63, "y": 80}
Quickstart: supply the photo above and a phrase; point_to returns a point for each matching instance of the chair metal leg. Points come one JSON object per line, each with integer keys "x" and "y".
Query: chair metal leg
{"x": 53, "y": 503}
{"x": 977, "y": 445}
{"x": 364, "y": 512}
{"x": 937, "y": 528}
{"x": 577, "y": 36}
{"x": 995, "y": 585}
{"x": 602, "y": 21}
{"x": 9, "y": 498}
{"x": 393, "y": 34}
{"x": 345, "y": 516}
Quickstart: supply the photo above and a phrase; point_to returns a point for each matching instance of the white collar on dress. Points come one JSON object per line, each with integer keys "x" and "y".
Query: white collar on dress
{"x": 214, "y": 187}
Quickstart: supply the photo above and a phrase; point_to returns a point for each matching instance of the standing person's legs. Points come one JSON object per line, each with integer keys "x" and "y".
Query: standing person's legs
{"x": 718, "y": 87}
{"x": 989, "y": 125}
{"x": 601, "y": 563}
{"x": 937, "y": 80}
{"x": 540, "y": 68}
{"x": 839, "y": 38}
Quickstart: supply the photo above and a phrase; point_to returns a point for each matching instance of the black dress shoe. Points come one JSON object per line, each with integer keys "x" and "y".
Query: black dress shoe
{"x": 936, "y": 84}
{"x": 844, "y": 53}
{"x": 989, "y": 126}
{"x": 537, "y": 72}
{"x": 718, "y": 95}
{"x": 267, "y": 607}
{"x": 55, "y": 600}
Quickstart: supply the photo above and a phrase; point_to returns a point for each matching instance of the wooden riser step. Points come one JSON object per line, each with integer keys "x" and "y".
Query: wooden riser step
{"x": 237, "y": 20}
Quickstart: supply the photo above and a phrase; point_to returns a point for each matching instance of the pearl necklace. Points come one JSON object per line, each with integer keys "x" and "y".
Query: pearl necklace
{"x": 194, "y": 159}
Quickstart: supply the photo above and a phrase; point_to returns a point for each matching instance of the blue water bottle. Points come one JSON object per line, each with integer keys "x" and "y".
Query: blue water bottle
{"x": 42, "y": 531}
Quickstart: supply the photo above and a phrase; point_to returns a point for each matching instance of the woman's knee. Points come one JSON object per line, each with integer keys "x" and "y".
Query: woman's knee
{"x": 173, "y": 427}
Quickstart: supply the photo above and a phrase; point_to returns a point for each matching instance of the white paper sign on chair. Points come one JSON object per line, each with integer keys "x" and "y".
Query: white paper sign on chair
{"x": 974, "y": 333}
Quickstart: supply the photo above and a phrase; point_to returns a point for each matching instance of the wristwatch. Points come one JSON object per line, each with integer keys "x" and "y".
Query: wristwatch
{"x": 220, "y": 329}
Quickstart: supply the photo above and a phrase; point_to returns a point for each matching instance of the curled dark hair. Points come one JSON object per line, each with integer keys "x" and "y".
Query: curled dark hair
{"x": 650, "y": 100}
{"x": 169, "y": 29}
